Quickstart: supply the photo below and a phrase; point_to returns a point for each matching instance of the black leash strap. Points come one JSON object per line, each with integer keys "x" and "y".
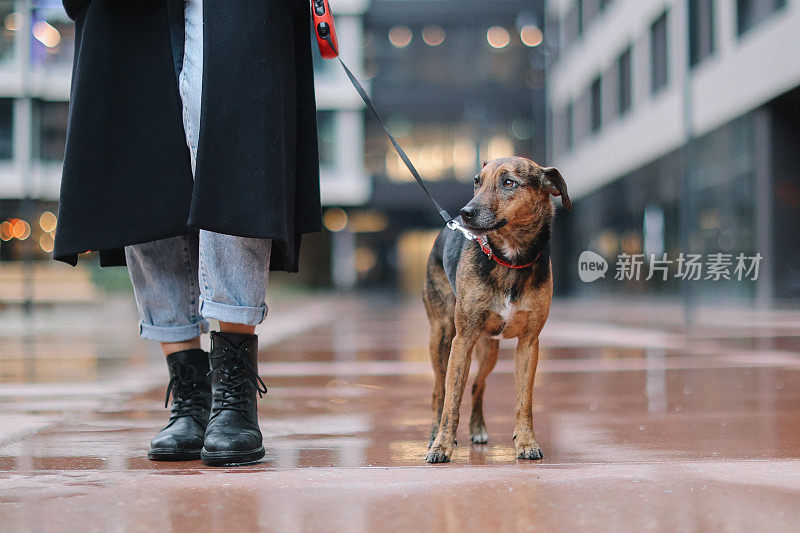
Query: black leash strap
{"x": 364, "y": 96}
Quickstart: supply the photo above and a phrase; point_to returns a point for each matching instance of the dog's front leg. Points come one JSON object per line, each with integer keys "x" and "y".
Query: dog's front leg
{"x": 457, "y": 372}
{"x": 525, "y": 359}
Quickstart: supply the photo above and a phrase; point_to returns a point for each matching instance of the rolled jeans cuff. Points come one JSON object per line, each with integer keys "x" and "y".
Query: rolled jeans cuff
{"x": 173, "y": 333}
{"x": 235, "y": 314}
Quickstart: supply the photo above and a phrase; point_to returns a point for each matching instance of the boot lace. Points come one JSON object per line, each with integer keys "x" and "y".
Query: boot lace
{"x": 187, "y": 395}
{"x": 236, "y": 376}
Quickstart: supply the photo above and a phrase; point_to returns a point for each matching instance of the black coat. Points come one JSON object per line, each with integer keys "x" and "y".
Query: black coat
{"x": 127, "y": 176}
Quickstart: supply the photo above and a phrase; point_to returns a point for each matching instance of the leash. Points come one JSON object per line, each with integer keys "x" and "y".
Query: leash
{"x": 326, "y": 38}
{"x": 329, "y": 49}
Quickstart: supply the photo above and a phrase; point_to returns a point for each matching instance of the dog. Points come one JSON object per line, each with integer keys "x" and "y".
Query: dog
{"x": 498, "y": 286}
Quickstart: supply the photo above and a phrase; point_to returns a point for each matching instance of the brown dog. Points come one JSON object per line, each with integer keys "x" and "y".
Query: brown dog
{"x": 474, "y": 299}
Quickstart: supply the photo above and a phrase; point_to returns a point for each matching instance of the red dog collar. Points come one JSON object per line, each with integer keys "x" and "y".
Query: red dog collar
{"x": 483, "y": 242}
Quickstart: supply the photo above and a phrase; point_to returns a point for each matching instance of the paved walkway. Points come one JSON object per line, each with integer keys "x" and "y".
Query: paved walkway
{"x": 643, "y": 427}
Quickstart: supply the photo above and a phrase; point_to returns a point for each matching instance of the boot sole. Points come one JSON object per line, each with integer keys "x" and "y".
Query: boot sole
{"x": 161, "y": 454}
{"x": 226, "y": 458}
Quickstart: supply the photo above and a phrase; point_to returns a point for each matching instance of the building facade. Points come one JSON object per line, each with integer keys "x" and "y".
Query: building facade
{"x": 675, "y": 124}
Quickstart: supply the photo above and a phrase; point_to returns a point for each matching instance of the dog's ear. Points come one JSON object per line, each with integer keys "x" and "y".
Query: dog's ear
{"x": 483, "y": 164}
{"x": 555, "y": 185}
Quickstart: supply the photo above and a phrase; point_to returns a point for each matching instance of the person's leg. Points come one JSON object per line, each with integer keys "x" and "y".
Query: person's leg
{"x": 233, "y": 280}
{"x": 233, "y": 276}
{"x": 234, "y": 272}
{"x": 165, "y": 284}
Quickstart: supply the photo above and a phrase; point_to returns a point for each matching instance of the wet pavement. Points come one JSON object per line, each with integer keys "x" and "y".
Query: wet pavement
{"x": 643, "y": 426}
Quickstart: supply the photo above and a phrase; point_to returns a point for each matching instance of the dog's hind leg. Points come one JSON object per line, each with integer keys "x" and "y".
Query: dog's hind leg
{"x": 486, "y": 353}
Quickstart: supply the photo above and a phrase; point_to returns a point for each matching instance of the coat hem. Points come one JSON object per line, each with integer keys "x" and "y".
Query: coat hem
{"x": 114, "y": 255}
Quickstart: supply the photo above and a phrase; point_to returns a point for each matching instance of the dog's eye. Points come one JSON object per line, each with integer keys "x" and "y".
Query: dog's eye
{"x": 509, "y": 183}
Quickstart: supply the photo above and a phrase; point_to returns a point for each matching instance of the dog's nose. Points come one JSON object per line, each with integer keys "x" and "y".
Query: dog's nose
{"x": 468, "y": 213}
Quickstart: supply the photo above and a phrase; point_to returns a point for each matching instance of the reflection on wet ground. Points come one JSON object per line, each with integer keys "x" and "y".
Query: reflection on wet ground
{"x": 642, "y": 427}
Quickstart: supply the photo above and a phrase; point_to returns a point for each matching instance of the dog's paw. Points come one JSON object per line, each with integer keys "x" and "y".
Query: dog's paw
{"x": 479, "y": 436}
{"x": 530, "y": 452}
{"x": 438, "y": 454}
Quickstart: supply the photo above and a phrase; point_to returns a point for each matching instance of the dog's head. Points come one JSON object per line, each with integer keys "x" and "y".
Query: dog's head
{"x": 513, "y": 193}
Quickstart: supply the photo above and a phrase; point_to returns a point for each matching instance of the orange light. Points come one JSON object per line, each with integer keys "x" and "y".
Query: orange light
{"x": 12, "y": 21}
{"x": 498, "y": 37}
{"x": 21, "y": 229}
{"x": 400, "y": 36}
{"x": 46, "y": 34}
{"x": 47, "y": 221}
{"x": 433, "y": 35}
{"x": 531, "y": 35}
{"x": 46, "y": 242}
{"x": 6, "y": 231}
{"x": 335, "y": 219}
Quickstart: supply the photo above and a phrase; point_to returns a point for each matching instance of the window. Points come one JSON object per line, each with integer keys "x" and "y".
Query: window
{"x": 55, "y": 45}
{"x": 6, "y": 128}
{"x": 552, "y": 30}
{"x": 582, "y": 116}
{"x": 596, "y": 105}
{"x": 659, "y": 68}
{"x": 569, "y": 126}
{"x": 7, "y": 36}
{"x": 701, "y": 30}
{"x": 326, "y": 136}
{"x": 591, "y": 10}
{"x": 52, "y": 130}
{"x": 751, "y": 12}
{"x": 624, "y": 82}
{"x": 572, "y": 25}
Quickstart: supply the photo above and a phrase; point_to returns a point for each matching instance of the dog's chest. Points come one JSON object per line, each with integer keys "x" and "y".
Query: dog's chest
{"x": 506, "y": 319}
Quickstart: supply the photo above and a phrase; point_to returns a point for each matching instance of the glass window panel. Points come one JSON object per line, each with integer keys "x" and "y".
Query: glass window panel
{"x": 6, "y": 128}
{"x": 658, "y": 54}
{"x": 625, "y": 82}
{"x": 751, "y": 12}
{"x": 326, "y": 134}
{"x": 53, "y": 35}
{"x": 52, "y": 130}
{"x": 9, "y": 22}
{"x": 570, "y": 125}
{"x": 571, "y": 26}
{"x": 701, "y": 30}
{"x": 597, "y": 105}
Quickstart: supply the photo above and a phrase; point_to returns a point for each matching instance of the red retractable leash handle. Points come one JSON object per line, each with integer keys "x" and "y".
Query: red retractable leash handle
{"x": 324, "y": 29}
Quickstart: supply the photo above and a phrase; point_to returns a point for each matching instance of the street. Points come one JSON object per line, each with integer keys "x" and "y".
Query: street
{"x": 642, "y": 425}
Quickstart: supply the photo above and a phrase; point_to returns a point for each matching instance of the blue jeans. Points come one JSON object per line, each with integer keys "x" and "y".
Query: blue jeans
{"x": 182, "y": 281}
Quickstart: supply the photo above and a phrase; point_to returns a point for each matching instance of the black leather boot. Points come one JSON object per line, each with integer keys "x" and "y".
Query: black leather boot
{"x": 182, "y": 439}
{"x": 233, "y": 435}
